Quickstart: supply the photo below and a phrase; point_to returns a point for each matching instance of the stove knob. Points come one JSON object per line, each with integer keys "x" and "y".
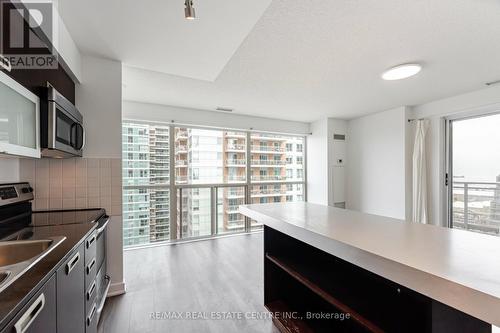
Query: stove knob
{"x": 27, "y": 189}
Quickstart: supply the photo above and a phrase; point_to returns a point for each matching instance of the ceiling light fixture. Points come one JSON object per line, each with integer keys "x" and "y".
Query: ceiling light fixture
{"x": 189, "y": 10}
{"x": 401, "y": 71}
{"x": 492, "y": 83}
{"x": 224, "y": 109}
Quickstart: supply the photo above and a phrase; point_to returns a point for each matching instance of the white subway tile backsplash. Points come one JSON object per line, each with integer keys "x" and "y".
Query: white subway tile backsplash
{"x": 69, "y": 203}
{"x": 55, "y": 168}
{"x": 69, "y": 168}
{"x": 55, "y": 190}
{"x": 42, "y": 191}
{"x": 105, "y": 163}
{"x": 93, "y": 202}
{"x": 75, "y": 183}
{"x": 55, "y": 203}
{"x": 81, "y": 202}
{"x": 69, "y": 192}
{"x": 105, "y": 191}
{"x": 81, "y": 192}
{"x": 92, "y": 163}
{"x": 42, "y": 204}
{"x": 93, "y": 191}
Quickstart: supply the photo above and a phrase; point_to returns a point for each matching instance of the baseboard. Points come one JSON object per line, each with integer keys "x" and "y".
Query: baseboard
{"x": 116, "y": 289}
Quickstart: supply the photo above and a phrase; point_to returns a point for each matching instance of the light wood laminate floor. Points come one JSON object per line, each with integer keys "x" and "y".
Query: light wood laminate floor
{"x": 221, "y": 275}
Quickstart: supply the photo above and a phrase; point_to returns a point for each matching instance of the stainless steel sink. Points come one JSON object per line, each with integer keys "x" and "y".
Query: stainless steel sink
{"x": 17, "y": 251}
{"x": 3, "y": 276}
{"x": 17, "y": 257}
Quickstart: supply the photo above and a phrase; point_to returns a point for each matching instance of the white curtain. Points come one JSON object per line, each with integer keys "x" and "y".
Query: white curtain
{"x": 420, "y": 174}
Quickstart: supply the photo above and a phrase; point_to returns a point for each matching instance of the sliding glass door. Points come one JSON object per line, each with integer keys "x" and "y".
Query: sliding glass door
{"x": 474, "y": 174}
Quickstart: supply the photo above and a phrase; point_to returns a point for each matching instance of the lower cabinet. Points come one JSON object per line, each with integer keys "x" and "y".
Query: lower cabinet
{"x": 68, "y": 302}
{"x": 39, "y": 315}
{"x": 71, "y": 294}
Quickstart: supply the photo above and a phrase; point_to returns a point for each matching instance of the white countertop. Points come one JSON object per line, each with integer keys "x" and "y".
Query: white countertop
{"x": 458, "y": 268}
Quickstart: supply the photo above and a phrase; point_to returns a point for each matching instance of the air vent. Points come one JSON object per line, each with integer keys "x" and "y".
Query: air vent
{"x": 339, "y": 137}
{"x": 224, "y": 109}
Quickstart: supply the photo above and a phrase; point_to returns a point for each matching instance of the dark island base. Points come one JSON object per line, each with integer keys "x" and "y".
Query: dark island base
{"x": 309, "y": 290}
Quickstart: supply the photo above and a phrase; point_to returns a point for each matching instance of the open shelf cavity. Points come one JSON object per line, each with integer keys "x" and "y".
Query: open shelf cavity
{"x": 358, "y": 318}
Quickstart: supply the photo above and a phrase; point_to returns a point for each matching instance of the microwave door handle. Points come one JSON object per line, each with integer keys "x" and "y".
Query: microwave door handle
{"x": 74, "y": 130}
{"x": 84, "y": 137}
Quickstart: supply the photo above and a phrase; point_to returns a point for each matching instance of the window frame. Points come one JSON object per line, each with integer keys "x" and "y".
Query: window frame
{"x": 248, "y": 184}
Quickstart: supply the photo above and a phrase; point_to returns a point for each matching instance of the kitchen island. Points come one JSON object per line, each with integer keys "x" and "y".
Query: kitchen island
{"x": 328, "y": 269}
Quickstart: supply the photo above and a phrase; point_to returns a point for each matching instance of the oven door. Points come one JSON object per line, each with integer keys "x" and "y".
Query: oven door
{"x": 67, "y": 134}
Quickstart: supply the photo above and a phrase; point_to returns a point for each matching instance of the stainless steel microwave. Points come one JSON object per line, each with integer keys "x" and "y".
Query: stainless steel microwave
{"x": 61, "y": 126}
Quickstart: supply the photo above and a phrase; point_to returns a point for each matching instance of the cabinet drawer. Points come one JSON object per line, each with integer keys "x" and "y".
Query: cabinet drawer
{"x": 70, "y": 293}
{"x": 90, "y": 259}
{"x": 39, "y": 315}
{"x": 91, "y": 295}
{"x": 90, "y": 247}
{"x": 91, "y": 320}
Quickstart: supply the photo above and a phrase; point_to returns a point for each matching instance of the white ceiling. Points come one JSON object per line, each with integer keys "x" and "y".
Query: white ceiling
{"x": 154, "y": 35}
{"x": 304, "y": 60}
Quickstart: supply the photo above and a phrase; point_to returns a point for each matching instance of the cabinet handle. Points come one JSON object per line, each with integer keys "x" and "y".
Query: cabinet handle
{"x": 30, "y": 315}
{"x": 91, "y": 291}
{"x": 90, "y": 241}
{"x": 91, "y": 315}
{"x": 104, "y": 225}
{"x": 90, "y": 266}
{"x": 72, "y": 263}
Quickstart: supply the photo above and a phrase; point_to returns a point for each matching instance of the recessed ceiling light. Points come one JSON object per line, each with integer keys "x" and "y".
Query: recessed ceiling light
{"x": 401, "y": 71}
{"x": 189, "y": 13}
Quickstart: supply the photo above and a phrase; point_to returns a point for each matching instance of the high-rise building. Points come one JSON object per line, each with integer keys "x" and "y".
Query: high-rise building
{"x": 211, "y": 157}
{"x": 205, "y": 157}
{"x": 146, "y": 211}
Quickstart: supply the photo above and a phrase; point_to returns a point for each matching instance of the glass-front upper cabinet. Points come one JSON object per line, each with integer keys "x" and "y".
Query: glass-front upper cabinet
{"x": 19, "y": 119}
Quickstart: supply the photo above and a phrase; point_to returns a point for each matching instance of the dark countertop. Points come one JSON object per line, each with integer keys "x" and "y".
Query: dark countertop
{"x": 45, "y": 225}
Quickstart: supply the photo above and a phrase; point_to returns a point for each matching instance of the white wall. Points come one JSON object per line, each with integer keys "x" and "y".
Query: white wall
{"x": 481, "y": 101}
{"x": 317, "y": 163}
{"x": 164, "y": 113}
{"x": 99, "y": 99}
{"x": 376, "y": 159}
{"x": 323, "y": 183}
{"x": 9, "y": 169}
{"x": 337, "y": 176}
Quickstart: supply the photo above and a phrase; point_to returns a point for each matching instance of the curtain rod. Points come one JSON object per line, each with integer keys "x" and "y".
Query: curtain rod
{"x": 410, "y": 120}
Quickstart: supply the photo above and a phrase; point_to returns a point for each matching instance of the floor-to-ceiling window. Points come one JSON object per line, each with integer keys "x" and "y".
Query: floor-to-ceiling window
{"x": 188, "y": 182}
{"x": 146, "y": 180}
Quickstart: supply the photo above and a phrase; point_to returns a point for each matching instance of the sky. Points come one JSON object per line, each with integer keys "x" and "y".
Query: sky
{"x": 476, "y": 149}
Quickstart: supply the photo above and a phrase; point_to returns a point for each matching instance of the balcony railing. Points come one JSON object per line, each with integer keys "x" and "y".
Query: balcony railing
{"x": 236, "y": 162}
{"x": 259, "y": 178}
{"x": 268, "y": 162}
{"x": 236, "y": 178}
{"x": 272, "y": 149}
{"x": 476, "y": 206}
{"x": 236, "y": 147}
{"x": 269, "y": 191}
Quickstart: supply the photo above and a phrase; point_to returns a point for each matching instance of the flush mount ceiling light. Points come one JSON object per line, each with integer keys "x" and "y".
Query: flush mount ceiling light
{"x": 189, "y": 13}
{"x": 401, "y": 71}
